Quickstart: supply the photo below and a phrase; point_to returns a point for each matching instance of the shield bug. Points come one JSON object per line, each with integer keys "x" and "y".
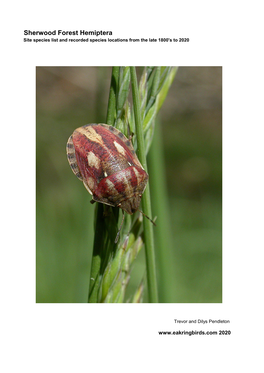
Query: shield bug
{"x": 105, "y": 161}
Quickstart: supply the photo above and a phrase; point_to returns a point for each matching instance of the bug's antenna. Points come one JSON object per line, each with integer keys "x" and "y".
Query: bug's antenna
{"x": 148, "y": 218}
{"x": 118, "y": 233}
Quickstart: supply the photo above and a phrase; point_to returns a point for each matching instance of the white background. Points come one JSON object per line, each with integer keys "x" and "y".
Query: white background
{"x": 79, "y": 337}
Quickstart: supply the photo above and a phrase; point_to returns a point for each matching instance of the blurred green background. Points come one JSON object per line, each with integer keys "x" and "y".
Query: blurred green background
{"x": 191, "y": 129}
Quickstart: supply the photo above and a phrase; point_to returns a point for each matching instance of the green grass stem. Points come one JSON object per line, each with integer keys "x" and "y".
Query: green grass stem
{"x": 148, "y": 227}
{"x": 110, "y": 118}
{"x": 161, "y": 208}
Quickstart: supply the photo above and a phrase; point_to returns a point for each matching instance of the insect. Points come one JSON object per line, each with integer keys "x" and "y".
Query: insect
{"x": 105, "y": 161}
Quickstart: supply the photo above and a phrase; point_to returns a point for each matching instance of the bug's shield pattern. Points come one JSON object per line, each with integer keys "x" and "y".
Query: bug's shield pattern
{"x": 105, "y": 160}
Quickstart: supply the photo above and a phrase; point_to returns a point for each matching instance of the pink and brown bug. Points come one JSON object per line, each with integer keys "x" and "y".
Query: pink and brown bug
{"x": 105, "y": 161}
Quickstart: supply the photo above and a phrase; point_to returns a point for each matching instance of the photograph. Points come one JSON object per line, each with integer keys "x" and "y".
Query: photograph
{"x": 144, "y": 225}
